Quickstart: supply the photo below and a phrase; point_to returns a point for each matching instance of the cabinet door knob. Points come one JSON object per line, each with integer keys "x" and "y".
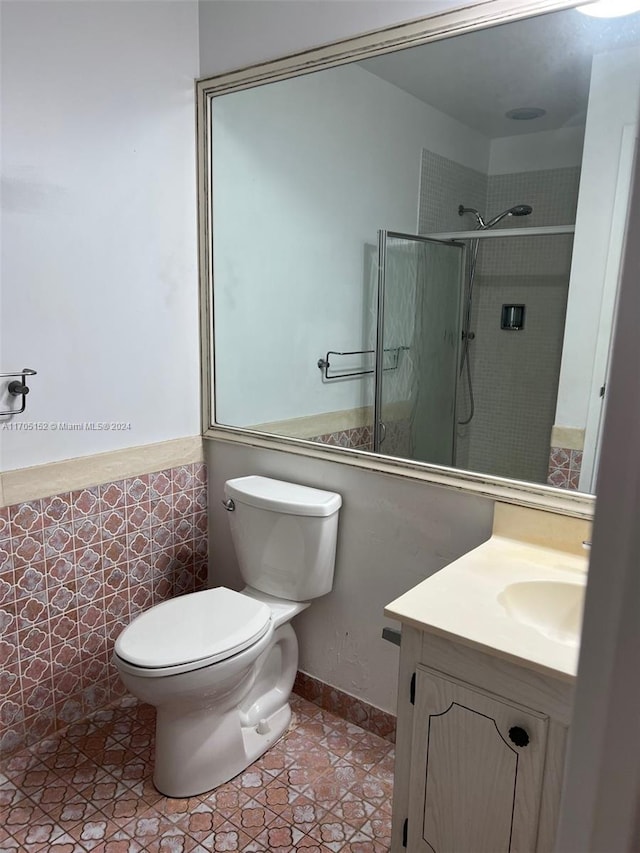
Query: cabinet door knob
{"x": 518, "y": 736}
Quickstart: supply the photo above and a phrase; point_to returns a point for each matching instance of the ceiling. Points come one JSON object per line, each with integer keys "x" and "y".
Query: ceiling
{"x": 540, "y": 62}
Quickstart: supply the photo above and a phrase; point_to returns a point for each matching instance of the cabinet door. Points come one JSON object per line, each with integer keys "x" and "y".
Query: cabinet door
{"x": 473, "y": 790}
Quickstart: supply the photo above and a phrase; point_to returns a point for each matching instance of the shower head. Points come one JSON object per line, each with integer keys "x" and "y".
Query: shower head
{"x": 517, "y": 210}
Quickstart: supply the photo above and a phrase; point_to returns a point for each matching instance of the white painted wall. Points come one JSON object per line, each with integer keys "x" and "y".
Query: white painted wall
{"x": 305, "y": 172}
{"x": 532, "y": 152}
{"x": 234, "y": 34}
{"x": 613, "y": 103}
{"x": 99, "y": 259}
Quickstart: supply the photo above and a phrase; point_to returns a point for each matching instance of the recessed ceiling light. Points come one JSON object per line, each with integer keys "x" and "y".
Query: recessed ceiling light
{"x": 525, "y": 113}
{"x": 610, "y": 8}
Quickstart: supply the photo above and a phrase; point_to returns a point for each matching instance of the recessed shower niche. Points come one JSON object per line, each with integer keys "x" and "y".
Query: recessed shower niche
{"x": 512, "y": 318}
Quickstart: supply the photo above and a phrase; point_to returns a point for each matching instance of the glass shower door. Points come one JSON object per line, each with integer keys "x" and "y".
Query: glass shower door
{"x": 420, "y": 295}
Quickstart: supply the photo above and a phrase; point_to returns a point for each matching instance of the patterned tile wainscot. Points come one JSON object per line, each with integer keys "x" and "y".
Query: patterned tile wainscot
{"x": 74, "y": 570}
{"x": 347, "y": 707}
{"x": 564, "y": 467}
{"x": 357, "y": 438}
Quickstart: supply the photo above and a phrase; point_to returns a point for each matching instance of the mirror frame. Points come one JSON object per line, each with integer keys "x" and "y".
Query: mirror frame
{"x": 431, "y": 28}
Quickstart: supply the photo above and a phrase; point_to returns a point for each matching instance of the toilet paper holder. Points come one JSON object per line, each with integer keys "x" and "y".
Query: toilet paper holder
{"x": 18, "y": 388}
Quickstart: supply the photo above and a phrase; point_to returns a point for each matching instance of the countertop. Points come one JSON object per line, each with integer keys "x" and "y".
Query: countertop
{"x": 461, "y": 602}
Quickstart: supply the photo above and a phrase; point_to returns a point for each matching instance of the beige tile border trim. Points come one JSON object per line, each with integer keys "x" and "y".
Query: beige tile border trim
{"x": 320, "y": 424}
{"x": 328, "y": 422}
{"x": 571, "y": 438}
{"x": 41, "y": 481}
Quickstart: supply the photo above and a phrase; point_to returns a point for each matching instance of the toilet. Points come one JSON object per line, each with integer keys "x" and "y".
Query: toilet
{"x": 219, "y": 665}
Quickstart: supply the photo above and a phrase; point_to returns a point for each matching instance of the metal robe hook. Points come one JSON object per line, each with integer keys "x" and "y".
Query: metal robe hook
{"x": 18, "y": 388}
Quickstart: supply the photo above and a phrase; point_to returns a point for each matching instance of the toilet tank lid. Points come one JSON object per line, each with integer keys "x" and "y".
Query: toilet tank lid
{"x": 279, "y": 496}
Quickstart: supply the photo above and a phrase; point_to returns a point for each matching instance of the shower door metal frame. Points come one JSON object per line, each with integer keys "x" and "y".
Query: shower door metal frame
{"x": 383, "y": 236}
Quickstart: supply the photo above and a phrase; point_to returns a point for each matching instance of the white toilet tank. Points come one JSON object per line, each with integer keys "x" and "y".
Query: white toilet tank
{"x": 284, "y": 535}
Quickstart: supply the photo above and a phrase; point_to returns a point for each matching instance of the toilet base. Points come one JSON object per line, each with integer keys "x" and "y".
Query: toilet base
{"x": 210, "y": 732}
{"x": 213, "y": 722}
{"x": 182, "y": 772}
{"x": 258, "y": 742}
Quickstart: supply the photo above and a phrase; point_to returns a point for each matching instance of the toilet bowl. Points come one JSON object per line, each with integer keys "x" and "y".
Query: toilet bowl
{"x": 219, "y": 665}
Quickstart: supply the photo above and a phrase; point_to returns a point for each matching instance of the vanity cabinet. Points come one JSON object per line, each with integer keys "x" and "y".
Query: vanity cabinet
{"x": 476, "y": 771}
{"x": 480, "y": 751}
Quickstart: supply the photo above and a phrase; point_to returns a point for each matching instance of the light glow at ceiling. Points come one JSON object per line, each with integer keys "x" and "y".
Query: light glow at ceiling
{"x": 610, "y": 8}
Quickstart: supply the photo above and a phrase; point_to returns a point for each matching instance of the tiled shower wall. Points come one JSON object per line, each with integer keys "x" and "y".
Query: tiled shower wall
{"x": 444, "y": 185}
{"x": 515, "y": 374}
{"x": 74, "y": 570}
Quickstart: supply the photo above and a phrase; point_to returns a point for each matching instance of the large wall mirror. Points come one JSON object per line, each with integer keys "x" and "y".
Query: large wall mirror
{"x": 416, "y": 254}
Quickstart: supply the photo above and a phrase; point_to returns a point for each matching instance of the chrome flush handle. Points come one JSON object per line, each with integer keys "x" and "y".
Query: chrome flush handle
{"x": 229, "y": 505}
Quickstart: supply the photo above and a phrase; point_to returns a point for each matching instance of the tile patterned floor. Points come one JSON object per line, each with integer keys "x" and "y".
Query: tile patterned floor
{"x": 325, "y": 786}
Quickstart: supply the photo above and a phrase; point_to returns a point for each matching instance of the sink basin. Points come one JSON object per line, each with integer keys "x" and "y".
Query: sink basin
{"x": 554, "y": 608}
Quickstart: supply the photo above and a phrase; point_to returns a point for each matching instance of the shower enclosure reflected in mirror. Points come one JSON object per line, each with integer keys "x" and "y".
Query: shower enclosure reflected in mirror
{"x": 417, "y": 254}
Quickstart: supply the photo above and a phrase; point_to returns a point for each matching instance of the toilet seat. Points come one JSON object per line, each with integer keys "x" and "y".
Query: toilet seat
{"x": 192, "y": 631}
